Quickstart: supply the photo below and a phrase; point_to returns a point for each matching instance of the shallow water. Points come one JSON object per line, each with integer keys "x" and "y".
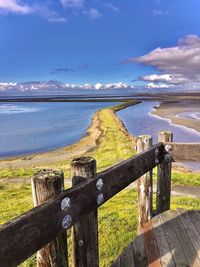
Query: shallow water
{"x": 189, "y": 115}
{"x": 36, "y": 127}
{"x": 138, "y": 120}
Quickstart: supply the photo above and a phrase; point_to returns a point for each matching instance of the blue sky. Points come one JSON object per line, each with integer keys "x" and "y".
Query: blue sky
{"x": 80, "y": 41}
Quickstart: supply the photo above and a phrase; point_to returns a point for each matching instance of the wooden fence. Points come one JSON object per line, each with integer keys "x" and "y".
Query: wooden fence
{"x": 44, "y": 227}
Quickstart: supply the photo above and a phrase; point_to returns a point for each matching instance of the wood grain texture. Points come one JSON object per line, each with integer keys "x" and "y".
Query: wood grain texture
{"x": 85, "y": 231}
{"x": 144, "y": 185}
{"x": 165, "y": 253}
{"x": 163, "y": 193}
{"x": 45, "y": 184}
{"x": 173, "y": 241}
{"x": 185, "y": 151}
{"x": 153, "y": 257}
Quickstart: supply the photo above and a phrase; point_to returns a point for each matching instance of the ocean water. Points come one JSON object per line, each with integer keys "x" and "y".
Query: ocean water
{"x": 36, "y": 127}
{"x": 138, "y": 120}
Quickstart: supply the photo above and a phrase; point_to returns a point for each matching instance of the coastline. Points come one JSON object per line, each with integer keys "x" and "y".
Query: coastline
{"x": 86, "y": 144}
{"x": 170, "y": 111}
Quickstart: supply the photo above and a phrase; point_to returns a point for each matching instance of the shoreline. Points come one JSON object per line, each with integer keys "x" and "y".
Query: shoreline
{"x": 87, "y": 143}
{"x": 169, "y": 110}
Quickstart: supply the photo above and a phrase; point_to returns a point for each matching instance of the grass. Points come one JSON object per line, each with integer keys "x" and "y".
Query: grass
{"x": 118, "y": 216}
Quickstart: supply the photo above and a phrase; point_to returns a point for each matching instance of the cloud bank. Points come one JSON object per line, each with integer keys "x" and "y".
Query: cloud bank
{"x": 53, "y": 86}
{"x": 46, "y": 10}
{"x": 178, "y": 65}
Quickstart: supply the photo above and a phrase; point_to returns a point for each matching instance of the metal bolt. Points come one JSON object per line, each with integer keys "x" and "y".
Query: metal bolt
{"x": 100, "y": 199}
{"x": 99, "y": 184}
{"x": 66, "y": 222}
{"x": 168, "y": 157}
{"x": 81, "y": 243}
{"x": 168, "y": 148}
{"x": 65, "y": 203}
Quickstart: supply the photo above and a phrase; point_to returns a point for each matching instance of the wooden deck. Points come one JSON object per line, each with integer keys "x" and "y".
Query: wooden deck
{"x": 170, "y": 239}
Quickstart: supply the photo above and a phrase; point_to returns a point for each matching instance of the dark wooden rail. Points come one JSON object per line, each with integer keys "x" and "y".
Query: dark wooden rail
{"x": 23, "y": 236}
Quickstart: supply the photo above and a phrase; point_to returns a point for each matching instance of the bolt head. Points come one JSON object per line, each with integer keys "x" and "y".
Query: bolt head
{"x": 66, "y": 222}
{"x": 168, "y": 157}
{"x": 99, "y": 184}
{"x": 168, "y": 148}
{"x": 65, "y": 203}
{"x": 81, "y": 243}
{"x": 100, "y": 199}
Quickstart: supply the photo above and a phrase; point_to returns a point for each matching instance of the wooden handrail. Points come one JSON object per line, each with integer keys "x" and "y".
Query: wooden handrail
{"x": 185, "y": 151}
{"x": 23, "y": 236}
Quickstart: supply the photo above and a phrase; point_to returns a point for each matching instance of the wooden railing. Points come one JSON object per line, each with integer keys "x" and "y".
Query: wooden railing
{"x": 77, "y": 206}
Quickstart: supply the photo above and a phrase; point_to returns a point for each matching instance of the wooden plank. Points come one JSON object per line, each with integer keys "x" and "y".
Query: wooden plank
{"x": 126, "y": 258}
{"x": 195, "y": 218}
{"x": 36, "y": 226}
{"x": 144, "y": 185}
{"x": 85, "y": 249}
{"x": 163, "y": 192}
{"x": 166, "y": 258}
{"x": 45, "y": 184}
{"x": 139, "y": 253}
{"x": 153, "y": 257}
{"x": 185, "y": 151}
{"x": 191, "y": 230}
{"x": 172, "y": 239}
{"x": 181, "y": 233}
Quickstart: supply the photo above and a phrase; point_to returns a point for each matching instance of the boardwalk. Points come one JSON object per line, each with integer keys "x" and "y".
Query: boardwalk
{"x": 169, "y": 239}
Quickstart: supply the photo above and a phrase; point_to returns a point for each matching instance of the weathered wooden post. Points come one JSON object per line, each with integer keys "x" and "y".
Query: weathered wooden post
{"x": 85, "y": 231}
{"x": 164, "y": 175}
{"x": 144, "y": 185}
{"x": 45, "y": 184}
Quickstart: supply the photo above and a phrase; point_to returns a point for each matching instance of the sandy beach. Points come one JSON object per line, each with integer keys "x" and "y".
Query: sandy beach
{"x": 173, "y": 110}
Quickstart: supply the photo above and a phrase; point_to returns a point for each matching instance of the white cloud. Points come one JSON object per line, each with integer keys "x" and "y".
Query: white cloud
{"x": 17, "y": 7}
{"x": 93, "y": 13}
{"x": 72, "y": 3}
{"x": 112, "y": 7}
{"x": 55, "y": 85}
{"x": 178, "y": 65}
{"x": 14, "y": 6}
{"x": 157, "y": 85}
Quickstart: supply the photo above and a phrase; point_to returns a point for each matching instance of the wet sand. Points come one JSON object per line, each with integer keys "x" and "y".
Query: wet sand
{"x": 172, "y": 110}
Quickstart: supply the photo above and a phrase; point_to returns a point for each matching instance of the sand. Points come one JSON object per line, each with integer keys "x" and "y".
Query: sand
{"x": 172, "y": 110}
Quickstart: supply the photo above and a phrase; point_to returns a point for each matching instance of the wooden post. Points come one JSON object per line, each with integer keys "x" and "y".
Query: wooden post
{"x": 85, "y": 231}
{"x": 45, "y": 184}
{"x": 164, "y": 176}
{"x": 144, "y": 185}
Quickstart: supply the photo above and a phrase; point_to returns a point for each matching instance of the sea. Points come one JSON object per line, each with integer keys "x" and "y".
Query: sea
{"x": 32, "y": 127}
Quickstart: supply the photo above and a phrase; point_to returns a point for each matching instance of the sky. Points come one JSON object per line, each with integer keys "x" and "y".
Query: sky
{"x": 100, "y": 44}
